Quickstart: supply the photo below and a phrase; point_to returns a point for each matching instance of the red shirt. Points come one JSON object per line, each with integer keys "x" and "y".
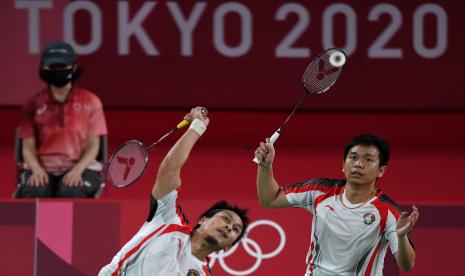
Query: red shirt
{"x": 61, "y": 129}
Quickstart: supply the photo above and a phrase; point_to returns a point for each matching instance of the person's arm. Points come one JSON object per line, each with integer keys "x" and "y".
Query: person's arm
{"x": 74, "y": 176}
{"x": 405, "y": 255}
{"x": 169, "y": 172}
{"x": 268, "y": 190}
{"x": 39, "y": 176}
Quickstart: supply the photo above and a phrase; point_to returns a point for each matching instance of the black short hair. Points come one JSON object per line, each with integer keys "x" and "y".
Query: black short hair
{"x": 223, "y": 205}
{"x": 371, "y": 140}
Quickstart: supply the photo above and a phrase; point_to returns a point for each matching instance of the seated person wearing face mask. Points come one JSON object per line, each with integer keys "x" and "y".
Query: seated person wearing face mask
{"x": 60, "y": 131}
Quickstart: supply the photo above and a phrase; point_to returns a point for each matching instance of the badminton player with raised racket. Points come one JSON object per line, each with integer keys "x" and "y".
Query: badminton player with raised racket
{"x": 166, "y": 244}
{"x": 353, "y": 222}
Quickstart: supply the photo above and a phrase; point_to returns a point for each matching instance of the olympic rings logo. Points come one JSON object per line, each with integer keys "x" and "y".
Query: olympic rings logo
{"x": 252, "y": 248}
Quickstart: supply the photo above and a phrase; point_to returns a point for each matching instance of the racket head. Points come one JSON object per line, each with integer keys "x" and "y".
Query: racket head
{"x": 323, "y": 71}
{"x": 127, "y": 164}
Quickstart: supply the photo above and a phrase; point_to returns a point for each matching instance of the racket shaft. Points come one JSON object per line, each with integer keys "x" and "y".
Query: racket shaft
{"x": 161, "y": 139}
{"x": 182, "y": 124}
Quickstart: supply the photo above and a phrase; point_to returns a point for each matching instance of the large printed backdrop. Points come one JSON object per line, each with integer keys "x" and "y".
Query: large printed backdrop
{"x": 404, "y": 55}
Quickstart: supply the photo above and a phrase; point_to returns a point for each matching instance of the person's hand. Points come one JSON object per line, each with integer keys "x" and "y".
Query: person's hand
{"x": 38, "y": 178}
{"x": 73, "y": 178}
{"x": 406, "y": 222}
{"x": 196, "y": 114}
{"x": 265, "y": 153}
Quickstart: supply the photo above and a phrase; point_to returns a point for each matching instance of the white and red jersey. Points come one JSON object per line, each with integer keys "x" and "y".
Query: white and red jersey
{"x": 345, "y": 241}
{"x": 162, "y": 246}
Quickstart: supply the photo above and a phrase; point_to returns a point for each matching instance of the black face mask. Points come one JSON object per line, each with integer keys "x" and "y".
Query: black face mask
{"x": 58, "y": 78}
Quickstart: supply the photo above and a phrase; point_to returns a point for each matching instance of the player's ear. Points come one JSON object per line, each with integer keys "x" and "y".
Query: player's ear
{"x": 381, "y": 171}
{"x": 202, "y": 220}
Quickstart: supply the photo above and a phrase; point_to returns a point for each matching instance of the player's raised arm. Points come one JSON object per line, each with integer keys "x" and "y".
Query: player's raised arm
{"x": 268, "y": 190}
{"x": 169, "y": 172}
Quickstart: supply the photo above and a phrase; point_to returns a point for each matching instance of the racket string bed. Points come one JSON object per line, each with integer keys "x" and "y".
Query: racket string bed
{"x": 321, "y": 74}
{"x": 127, "y": 164}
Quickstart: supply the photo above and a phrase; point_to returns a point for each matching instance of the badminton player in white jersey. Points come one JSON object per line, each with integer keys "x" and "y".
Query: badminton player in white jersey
{"x": 165, "y": 244}
{"x": 353, "y": 221}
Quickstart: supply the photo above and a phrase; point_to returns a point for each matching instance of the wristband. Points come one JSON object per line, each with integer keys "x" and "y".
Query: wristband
{"x": 198, "y": 126}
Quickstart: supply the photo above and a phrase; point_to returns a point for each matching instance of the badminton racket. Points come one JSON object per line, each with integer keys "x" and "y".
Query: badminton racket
{"x": 322, "y": 73}
{"x": 129, "y": 162}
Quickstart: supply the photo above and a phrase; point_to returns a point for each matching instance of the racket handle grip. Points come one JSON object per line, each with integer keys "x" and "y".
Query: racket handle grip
{"x": 273, "y": 139}
{"x": 185, "y": 122}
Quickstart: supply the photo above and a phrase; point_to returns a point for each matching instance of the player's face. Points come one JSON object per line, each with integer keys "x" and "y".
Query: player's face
{"x": 224, "y": 227}
{"x": 361, "y": 165}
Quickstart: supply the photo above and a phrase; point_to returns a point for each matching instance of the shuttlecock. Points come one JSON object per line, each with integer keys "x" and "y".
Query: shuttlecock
{"x": 337, "y": 59}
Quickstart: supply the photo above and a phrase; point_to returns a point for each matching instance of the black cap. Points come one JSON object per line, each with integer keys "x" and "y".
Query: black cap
{"x": 58, "y": 52}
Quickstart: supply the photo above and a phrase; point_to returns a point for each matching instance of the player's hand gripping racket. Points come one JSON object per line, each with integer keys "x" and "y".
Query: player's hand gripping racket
{"x": 322, "y": 72}
{"x": 130, "y": 160}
